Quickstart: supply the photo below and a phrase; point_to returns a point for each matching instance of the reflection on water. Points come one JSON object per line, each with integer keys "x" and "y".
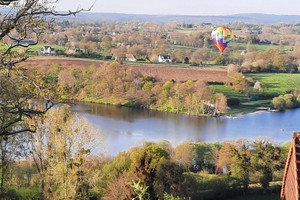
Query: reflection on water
{"x": 126, "y": 127}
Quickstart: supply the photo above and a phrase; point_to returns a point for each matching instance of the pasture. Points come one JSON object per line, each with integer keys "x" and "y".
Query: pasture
{"x": 280, "y": 83}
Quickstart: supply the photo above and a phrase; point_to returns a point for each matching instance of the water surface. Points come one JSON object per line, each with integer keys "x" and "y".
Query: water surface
{"x": 126, "y": 127}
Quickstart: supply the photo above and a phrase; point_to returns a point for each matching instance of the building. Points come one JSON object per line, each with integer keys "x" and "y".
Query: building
{"x": 290, "y": 183}
{"x": 164, "y": 59}
{"x": 46, "y": 50}
{"x": 130, "y": 57}
{"x": 120, "y": 58}
{"x": 125, "y": 57}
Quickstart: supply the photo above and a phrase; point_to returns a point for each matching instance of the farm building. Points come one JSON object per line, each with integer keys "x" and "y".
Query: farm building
{"x": 164, "y": 58}
{"x": 290, "y": 183}
{"x": 126, "y": 57}
{"x": 130, "y": 57}
{"x": 46, "y": 50}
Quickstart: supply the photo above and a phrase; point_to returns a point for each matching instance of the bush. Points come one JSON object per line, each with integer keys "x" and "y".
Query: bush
{"x": 268, "y": 95}
{"x": 10, "y": 194}
{"x": 208, "y": 186}
{"x": 285, "y": 101}
{"x": 131, "y": 102}
{"x": 215, "y": 83}
{"x": 278, "y": 103}
{"x": 30, "y": 193}
{"x": 233, "y": 102}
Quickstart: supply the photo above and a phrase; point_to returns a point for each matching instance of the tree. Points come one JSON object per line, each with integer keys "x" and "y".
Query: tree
{"x": 59, "y": 149}
{"x": 224, "y": 158}
{"x": 16, "y": 92}
{"x": 240, "y": 166}
{"x": 239, "y": 82}
{"x": 200, "y": 56}
{"x": 169, "y": 179}
{"x": 205, "y": 157}
{"x": 12, "y": 147}
{"x": 25, "y": 19}
{"x": 250, "y": 47}
{"x": 144, "y": 166}
{"x": 221, "y": 103}
{"x": 279, "y": 103}
{"x": 183, "y": 155}
{"x": 265, "y": 159}
{"x": 114, "y": 173}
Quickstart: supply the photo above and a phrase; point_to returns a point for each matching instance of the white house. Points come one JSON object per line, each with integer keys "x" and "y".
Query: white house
{"x": 130, "y": 57}
{"x": 164, "y": 58}
{"x": 46, "y": 50}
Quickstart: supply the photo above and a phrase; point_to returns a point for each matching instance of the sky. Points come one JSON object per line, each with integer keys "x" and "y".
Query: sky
{"x": 186, "y": 7}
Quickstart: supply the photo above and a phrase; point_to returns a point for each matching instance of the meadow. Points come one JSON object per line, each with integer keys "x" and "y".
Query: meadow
{"x": 246, "y": 106}
{"x": 280, "y": 83}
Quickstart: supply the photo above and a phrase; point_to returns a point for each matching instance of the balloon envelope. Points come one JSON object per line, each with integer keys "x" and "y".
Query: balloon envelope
{"x": 221, "y": 37}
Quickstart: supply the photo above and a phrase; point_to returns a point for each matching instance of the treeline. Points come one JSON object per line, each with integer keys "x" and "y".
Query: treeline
{"x": 270, "y": 60}
{"x": 119, "y": 85}
{"x": 56, "y": 163}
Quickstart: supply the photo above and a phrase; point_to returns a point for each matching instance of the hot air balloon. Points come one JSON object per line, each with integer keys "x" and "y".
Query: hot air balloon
{"x": 221, "y": 37}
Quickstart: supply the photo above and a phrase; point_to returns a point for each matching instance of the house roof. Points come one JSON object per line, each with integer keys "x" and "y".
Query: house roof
{"x": 291, "y": 181}
{"x": 130, "y": 56}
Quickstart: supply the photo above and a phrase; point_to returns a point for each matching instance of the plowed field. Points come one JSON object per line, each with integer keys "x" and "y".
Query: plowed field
{"x": 161, "y": 73}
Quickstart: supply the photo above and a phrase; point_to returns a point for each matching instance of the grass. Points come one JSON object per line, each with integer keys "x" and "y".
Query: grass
{"x": 258, "y": 47}
{"x": 183, "y": 47}
{"x": 277, "y": 82}
{"x": 229, "y": 93}
{"x": 246, "y": 106}
{"x": 37, "y": 47}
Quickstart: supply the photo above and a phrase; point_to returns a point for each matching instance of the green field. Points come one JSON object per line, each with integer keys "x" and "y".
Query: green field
{"x": 35, "y": 48}
{"x": 277, "y": 82}
{"x": 246, "y": 106}
{"x": 183, "y": 47}
{"x": 229, "y": 93}
{"x": 274, "y": 83}
{"x": 258, "y": 47}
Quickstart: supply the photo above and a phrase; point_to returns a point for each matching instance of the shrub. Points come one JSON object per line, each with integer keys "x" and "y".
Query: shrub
{"x": 209, "y": 186}
{"x": 30, "y": 193}
{"x": 268, "y": 95}
{"x": 233, "y": 102}
{"x": 279, "y": 103}
{"x": 10, "y": 194}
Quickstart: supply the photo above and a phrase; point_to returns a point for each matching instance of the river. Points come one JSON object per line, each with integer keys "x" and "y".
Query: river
{"x": 126, "y": 127}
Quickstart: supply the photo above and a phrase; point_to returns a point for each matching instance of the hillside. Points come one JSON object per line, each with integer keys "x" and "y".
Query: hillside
{"x": 248, "y": 18}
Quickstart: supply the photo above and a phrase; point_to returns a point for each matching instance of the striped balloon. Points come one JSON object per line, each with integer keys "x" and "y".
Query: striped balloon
{"x": 221, "y": 37}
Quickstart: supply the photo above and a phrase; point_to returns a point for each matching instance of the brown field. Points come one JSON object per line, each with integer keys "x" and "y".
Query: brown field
{"x": 161, "y": 73}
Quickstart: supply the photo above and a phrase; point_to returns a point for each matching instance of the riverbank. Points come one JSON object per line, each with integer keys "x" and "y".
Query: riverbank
{"x": 104, "y": 102}
{"x": 235, "y": 110}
